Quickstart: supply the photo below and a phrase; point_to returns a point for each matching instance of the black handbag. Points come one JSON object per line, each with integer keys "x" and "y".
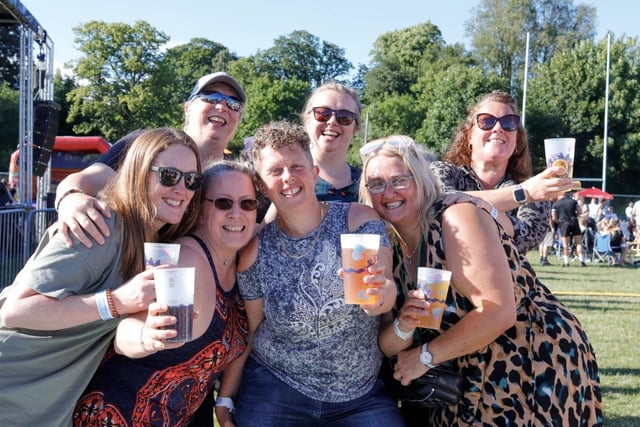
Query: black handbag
{"x": 439, "y": 386}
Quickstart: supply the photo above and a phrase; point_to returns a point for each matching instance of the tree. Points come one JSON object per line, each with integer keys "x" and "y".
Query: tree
{"x": 396, "y": 59}
{"x": 10, "y": 55}
{"x": 567, "y": 98}
{"x": 269, "y": 99}
{"x": 301, "y": 56}
{"x": 117, "y": 93}
{"x": 499, "y": 28}
{"x": 62, "y": 85}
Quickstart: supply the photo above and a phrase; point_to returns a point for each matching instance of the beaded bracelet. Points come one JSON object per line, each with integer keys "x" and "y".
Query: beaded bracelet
{"x": 103, "y": 306}
{"x": 112, "y": 307}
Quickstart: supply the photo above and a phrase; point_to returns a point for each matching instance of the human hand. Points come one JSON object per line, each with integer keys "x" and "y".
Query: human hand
{"x": 408, "y": 366}
{"x": 224, "y": 417}
{"x": 414, "y": 306}
{"x": 383, "y": 289}
{"x": 82, "y": 216}
{"x": 157, "y": 329}
{"x": 547, "y": 185}
{"x": 136, "y": 294}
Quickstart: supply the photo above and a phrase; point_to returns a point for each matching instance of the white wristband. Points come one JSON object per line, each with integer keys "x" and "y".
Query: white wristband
{"x": 226, "y": 402}
{"x": 103, "y": 306}
{"x": 402, "y": 335}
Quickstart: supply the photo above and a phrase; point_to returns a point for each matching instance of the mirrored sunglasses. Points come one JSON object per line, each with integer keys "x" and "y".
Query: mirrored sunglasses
{"x": 509, "y": 123}
{"x": 225, "y": 204}
{"x": 170, "y": 177}
{"x": 234, "y": 104}
{"x": 323, "y": 114}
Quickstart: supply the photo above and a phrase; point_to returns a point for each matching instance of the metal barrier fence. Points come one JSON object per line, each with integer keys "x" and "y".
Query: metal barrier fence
{"x": 20, "y": 231}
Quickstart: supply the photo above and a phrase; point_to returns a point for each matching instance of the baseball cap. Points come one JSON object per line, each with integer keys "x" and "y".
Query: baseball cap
{"x": 218, "y": 77}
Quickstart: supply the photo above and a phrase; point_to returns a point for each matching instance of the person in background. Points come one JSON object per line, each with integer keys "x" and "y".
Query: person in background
{"x": 502, "y": 328}
{"x": 212, "y": 114}
{"x": 313, "y": 358}
{"x": 60, "y": 315}
{"x": 489, "y": 158}
{"x": 617, "y": 242}
{"x": 171, "y": 380}
{"x": 628, "y": 211}
{"x": 565, "y": 212}
{"x": 331, "y": 117}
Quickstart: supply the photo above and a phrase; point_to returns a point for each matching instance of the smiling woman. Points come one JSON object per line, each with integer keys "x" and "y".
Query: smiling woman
{"x": 60, "y": 315}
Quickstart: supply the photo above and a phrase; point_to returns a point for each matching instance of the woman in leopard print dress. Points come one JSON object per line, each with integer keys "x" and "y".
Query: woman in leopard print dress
{"x": 525, "y": 357}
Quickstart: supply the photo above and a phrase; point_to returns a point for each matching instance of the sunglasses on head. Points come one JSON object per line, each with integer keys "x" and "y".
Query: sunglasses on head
{"x": 215, "y": 97}
{"x": 367, "y": 149}
{"x": 323, "y": 114}
{"x": 170, "y": 177}
{"x": 487, "y": 121}
{"x": 225, "y": 204}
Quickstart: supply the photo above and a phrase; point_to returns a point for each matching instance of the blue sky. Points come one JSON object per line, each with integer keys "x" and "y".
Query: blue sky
{"x": 245, "y": 27}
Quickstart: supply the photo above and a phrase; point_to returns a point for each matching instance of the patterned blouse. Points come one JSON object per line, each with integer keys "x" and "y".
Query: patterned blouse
{"x": 530, "y": 220}
{"x": 310, "y": 339}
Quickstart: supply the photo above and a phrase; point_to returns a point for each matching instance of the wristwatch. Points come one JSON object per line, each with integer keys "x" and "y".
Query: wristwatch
{"x": 519, "y": 195}
{"x": 426, "y": 357}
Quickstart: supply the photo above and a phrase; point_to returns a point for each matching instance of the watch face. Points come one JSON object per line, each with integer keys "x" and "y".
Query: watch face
{"x": 519, "y": 195}
{"x": 425, "y": 357}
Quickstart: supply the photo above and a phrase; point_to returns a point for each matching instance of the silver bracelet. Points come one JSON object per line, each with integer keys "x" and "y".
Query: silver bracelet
{"x": 402, "y": 335}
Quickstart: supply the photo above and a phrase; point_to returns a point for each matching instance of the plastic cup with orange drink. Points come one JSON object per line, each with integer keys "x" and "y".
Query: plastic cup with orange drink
{"x": 434, "y": 283}
{"x": 359, "y": 251}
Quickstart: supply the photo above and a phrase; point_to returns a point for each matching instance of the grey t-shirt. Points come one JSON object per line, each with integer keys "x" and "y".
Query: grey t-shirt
{"x": 310, "y": 338}
{"x": 43, "y": 373}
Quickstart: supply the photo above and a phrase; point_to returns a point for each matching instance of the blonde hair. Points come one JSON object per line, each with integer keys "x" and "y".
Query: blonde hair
{"x": 417, "y": 161}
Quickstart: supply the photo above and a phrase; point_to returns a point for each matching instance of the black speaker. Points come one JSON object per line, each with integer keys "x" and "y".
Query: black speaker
{"x": 45, "y": 129}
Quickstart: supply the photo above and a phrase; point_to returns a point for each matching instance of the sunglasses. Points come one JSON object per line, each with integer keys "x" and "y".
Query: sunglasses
{"x": 323, "y": 115}
{"x": 215, "y": 98}
{"x": 379, "y": 186}
{"x": 170, "y": 177}
{"x": 225, "y": 204}
{"x": 367, "y": 149}
{"x": 509, "y": 123}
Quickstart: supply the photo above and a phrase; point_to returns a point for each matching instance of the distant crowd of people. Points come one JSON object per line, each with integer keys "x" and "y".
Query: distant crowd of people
{"x": 274, "y": 342}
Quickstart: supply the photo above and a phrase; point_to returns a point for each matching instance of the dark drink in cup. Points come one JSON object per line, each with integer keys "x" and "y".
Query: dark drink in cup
{"x": 175, "y": 288}
{"x": 184, "y": 323}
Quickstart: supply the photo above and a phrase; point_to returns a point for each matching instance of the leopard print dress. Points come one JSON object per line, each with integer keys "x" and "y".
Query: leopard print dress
{"x": 540, "y": 372}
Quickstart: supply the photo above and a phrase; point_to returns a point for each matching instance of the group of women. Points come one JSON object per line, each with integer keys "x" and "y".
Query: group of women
{"x": 293, "y": 353}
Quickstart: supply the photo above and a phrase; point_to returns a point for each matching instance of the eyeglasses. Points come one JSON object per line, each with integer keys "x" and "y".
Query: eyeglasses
{"x": 215, "y": 98}
{"x": 170, "y": 177}
{"x": 323, "y": 114}
{"x": 379, "y": 186}
{"x": 225, "y": 204}
{"x": 509, "y": 123}
{"x": 373, "y": 146}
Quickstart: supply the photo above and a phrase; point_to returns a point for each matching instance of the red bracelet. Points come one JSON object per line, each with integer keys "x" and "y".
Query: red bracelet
{"x": 112, "y": 306}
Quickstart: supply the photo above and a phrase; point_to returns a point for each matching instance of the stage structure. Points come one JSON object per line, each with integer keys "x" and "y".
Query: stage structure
{"x": 38, "y": 115}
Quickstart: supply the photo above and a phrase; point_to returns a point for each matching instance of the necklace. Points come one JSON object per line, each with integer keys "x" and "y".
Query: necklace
{"x": 282, "y": 242}
{"x": 407, "y": 259}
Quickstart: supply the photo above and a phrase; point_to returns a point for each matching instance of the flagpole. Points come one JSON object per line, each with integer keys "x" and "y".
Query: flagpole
{"x": 524, "y": 91}
{"x": 606, "y": 117}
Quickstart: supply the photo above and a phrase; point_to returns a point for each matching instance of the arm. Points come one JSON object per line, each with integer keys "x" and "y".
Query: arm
{"x": 25, "y": 307}
{"x": 79, "y": 212}
{"x": 480, "y": 271}
{"x": 232, "y": 376}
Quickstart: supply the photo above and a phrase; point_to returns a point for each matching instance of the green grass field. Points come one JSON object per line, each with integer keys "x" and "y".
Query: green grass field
{"x": 606, "y": 300}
